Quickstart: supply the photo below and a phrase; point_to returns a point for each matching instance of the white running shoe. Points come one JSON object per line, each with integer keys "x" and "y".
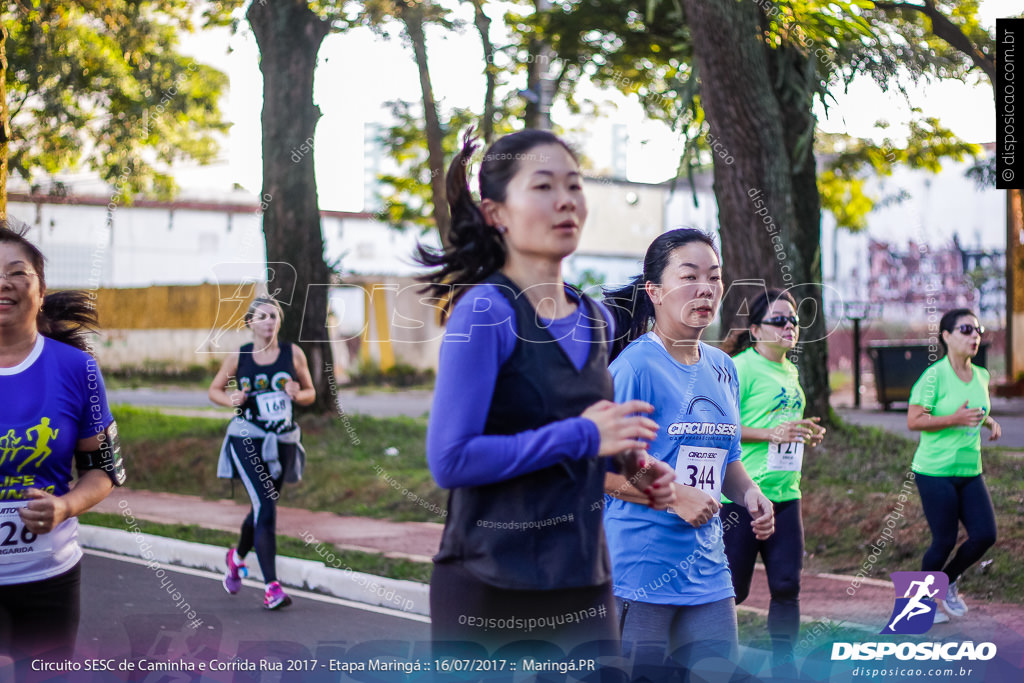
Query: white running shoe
{"x": 953, "y": 603}
{"x": 940, "y": 617}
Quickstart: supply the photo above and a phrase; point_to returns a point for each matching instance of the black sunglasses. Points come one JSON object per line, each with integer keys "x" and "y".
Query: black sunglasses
{"x": 781, "y": 320}
{"x": 969, "y": 329}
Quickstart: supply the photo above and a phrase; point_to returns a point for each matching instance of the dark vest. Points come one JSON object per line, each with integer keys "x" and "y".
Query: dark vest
{"x": 258, "y": 380}
{"x": 542, "y": 530}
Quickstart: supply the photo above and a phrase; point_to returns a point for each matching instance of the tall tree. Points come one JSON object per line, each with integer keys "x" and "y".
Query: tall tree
{"x": 103, "y": 84}
{"x": 289, "y": 35}
{"x": 800, "y": 49}
{"x": 5, "y": 122}
{"x": 414, "y": 16}
{"x": 953, "y": 26}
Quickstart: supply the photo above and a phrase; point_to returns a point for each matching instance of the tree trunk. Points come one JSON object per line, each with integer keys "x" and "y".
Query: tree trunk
{"x": 289, "y": 34}
{"x": 483, "y": 27}
{"x": 804, "y": 242}
{"x": 5, "y": 122}
{"x": 412, "y": 17}
{"x": 769, "y": 238}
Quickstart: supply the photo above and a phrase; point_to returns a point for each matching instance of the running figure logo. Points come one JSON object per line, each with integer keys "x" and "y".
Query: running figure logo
{"x": 914, "y": 613}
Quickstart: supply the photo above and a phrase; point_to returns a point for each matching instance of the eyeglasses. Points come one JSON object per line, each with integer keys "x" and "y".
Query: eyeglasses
{"x": 968, "y": 330}
{"x": 17, "y": 277}
{"x": 781, "y": 320}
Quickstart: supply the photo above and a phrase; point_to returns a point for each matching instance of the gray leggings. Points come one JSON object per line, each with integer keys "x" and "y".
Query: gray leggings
{"x": 667, "y": 642}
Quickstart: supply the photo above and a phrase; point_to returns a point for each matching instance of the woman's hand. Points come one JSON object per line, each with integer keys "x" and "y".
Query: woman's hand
{"x": 806, "y": 431}
{"x": 620, "y": 428}
{"x": 237, "y": 398}
{"x": 761, "y": 511}
{"x": 694, "y": 506}
{"x": 967, "y": 417}
{"x": 652, "y": 476}
{"x": 44, "y": 511}
{"x": 997, "y": 431}
{"x": 292, "y": 388}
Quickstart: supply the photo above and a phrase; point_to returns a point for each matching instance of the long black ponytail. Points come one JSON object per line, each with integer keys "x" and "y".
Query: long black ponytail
{"x": 476, "y": 249}
{"x": 631, "y": 307}
{"x": 67, "y": 316}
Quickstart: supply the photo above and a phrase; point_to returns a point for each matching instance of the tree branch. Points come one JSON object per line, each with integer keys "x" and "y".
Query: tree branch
{"x": 945, "y": 29}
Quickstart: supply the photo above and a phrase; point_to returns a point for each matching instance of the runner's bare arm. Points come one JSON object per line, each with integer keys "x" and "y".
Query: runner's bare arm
{"x": 218, "y": 387}
{"x": 45, "y": 510}
{"x": 302, "y": 392}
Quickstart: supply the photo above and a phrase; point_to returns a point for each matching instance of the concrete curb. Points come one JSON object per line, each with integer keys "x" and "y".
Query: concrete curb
{"x": 336, "y": 579}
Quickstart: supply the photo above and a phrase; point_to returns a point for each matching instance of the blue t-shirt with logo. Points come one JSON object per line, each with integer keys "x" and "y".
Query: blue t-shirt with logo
{"x": 657, "y": 557}
{"x": 52, "y": 399}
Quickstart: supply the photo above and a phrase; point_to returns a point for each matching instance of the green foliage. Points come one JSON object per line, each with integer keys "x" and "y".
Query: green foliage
{"x": 102, "y": 84}
{"x": 398, "y": 375}
{"x": 406, "y": 196}
{"x": 851, "y": 161}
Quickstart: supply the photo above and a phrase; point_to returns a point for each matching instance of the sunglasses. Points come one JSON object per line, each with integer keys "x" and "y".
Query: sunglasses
{"x": 968, "y": 330}
{"x": 781, "y": 320}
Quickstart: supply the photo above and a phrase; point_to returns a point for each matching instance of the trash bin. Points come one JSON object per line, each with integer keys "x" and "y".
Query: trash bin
{"x": 899, "y": 364}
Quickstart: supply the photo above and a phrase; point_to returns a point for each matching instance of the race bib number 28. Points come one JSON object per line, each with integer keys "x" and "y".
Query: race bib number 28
{"x": 17, "y": 542}
{"x": 701, "y": 469}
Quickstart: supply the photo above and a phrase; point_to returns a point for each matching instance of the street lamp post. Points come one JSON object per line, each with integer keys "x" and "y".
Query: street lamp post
{"x": 857, "y": 311}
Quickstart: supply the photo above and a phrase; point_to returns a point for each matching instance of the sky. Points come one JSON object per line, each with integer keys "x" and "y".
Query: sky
{"x": 360, "y": 71}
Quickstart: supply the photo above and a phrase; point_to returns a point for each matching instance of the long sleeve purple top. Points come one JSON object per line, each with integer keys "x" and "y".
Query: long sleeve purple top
{"x": 480, "y": 337}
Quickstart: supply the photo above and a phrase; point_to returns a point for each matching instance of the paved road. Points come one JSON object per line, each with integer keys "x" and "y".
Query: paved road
{"x": 1010, "y": 415}
{"x": 131, "y": 613}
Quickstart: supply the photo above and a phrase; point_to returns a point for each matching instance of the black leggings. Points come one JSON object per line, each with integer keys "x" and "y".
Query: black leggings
{"x": 783, "y": 556}
{"x": 260, "y": 526}
{"x": 946, "y": 502}
{"x": 467, "y": 614}
{"x": 40, "y": 618}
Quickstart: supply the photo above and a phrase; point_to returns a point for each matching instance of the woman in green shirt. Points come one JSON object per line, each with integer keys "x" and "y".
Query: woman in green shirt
{"x": 774, "y": 433}
{"x": 949, "y": 404}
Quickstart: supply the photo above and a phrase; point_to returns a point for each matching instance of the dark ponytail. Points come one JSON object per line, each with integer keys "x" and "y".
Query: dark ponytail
{"x": 631, "y": 307}
{"x": 66, "y": 316}
{"x": 741, "y": 340}
{"x": 476, "y": 250}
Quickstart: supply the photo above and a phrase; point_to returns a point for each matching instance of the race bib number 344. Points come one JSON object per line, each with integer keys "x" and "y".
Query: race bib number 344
{"x": 17, "y": 542}
{"x": 701, "y": 468}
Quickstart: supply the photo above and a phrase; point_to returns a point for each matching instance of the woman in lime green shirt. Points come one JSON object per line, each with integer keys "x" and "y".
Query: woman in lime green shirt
{"x": 949, "y": 404}
{"x": 774, "y": 435}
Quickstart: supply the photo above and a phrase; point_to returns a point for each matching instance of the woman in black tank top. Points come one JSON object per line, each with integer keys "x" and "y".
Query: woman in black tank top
{"x": 262, "y": 446}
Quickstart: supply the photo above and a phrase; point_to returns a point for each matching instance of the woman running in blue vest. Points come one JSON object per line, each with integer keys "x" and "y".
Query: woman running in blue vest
{"x": 672, "y": 585}
{"x": 262, "y": 446}
{"x": 522, "y": 411}
{"x": 55, "y": 418}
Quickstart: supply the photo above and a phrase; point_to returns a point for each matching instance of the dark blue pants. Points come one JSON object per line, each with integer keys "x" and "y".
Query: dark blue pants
{"x": 260, "y": 528}
{"x": 40, "y": 619}
{"x": 783, "y": 557}
{"x": 947, "y": 501}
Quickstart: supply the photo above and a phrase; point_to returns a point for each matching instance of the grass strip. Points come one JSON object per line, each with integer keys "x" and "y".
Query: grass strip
{"x": 287, "y": 546}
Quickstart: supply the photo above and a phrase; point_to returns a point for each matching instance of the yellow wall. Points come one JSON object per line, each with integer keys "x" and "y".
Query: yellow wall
{"x": 174, "y": 307}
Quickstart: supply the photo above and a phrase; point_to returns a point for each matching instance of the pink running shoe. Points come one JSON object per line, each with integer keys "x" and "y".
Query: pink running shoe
{"x": 275, "y": 597}
{"x": 234, "y": 574}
